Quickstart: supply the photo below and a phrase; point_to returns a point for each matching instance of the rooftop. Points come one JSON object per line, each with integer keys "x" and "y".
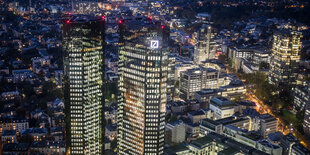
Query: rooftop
{"x": 253, "y": 136}
{"x": 178, "y": 103}
{"x": 268, "y": 144}
{"x": 15, "y": 147}
{"x": 290, "y": 137}
{"x": 301, "y": 148}
{"x": 176, "y": 148}
{"x": 276, "y": 136}
{"x": 178, "y": 122}
{"x": 34, "y": 131}
{"x": 83, "y": 19}
{"x": 246, "y": 103}
{"x": 13, "y": 120}
{"x": 202, "y": 142}
{"x": 8, "y": 132}
{"x": 199, "y": 70}
{"x": 229, "y": 151}
{"x": 221, "y": 101}
{"x": 230, "y": 120}
{"x": 267, "y": 117}
{"x": 209, "y": 123}
{"x": 207, "y": 91}
{"x": 196, "y": 113}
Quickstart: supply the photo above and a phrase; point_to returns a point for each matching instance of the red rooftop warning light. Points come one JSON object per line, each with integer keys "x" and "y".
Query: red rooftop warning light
{"x": 69, "y": 13}
{"x": 162, "y": 26}
{"x": 150, "y": 18}
{"x": 102, "y": 17}
{"x": 120, "y": 21}
{"x": 67, "y": 21}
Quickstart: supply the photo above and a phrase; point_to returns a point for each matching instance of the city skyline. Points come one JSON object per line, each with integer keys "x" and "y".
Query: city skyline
{"x": 135, "y": 77}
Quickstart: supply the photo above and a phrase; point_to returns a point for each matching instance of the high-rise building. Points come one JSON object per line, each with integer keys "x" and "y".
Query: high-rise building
{"x": 301, "y": 94}
{"x": 285, "y": 57}
{"x": 306, "y": 123}
{"x": 143, "y": 72}
{"x": 206, "y": 46}
{"x": 83, "y": 42}
{"x": 171, "y": 72}
{"x": 193, "y": 80}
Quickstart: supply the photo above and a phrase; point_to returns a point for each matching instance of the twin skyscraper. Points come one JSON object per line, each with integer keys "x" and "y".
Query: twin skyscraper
{"x": 142, "y": 85}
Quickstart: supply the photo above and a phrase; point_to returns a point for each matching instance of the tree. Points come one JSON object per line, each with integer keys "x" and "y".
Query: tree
{"x": 28, "y": 90}
{"x": 48, "y": 86}
{"x": 57, "y": 93}
{"x": 21, "y": 112}
{"x": 264, "y": 65}
{"x": 26, "y": 139}
{"x": 286, "y": 97}
{"x": 301, "y": 115}
{"x": 264, "y": 90}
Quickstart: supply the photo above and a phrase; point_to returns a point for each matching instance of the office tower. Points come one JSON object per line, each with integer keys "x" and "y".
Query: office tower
{"x": 301, "y": 96}
{"x": 193, "y": 80}
{"x": 83, "y": 42}
{"x": 206, "y": 46}
{"x": 306, "y": 123}
{"x": 143, "y": 69}
{"x": 172, "y": 57}
{"x": 285, "y": 57}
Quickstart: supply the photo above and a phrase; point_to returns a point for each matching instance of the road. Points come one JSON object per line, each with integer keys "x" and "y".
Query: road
{"x": 262, "y": 109}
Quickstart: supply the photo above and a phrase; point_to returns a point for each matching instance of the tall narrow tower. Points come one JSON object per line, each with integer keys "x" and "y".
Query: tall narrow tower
{"x": 205, "y": 47}
{"x": 143, "y": 65}
{"x": 83, "y": 42}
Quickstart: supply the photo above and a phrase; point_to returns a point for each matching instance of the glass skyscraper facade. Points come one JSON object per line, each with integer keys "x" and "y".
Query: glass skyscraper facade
{"x": 143, "y": 65}
{"x": 285, "y": 57}
{"x": 83, "y": 42}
